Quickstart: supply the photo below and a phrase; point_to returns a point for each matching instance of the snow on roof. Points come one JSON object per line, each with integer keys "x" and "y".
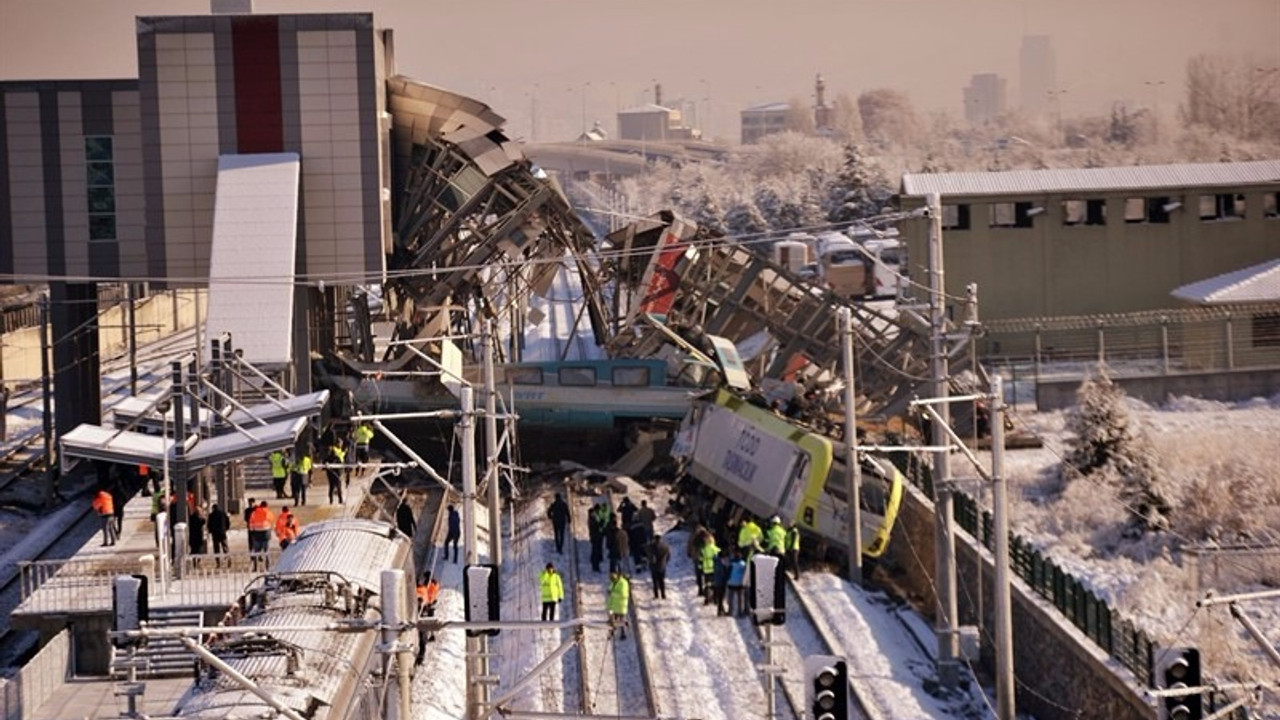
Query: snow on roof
{"x": 1134, "y": 177}
{"x": 1257, "y": 283}
{"x": 644, "y": 109}
{"x": 768, "y": 107}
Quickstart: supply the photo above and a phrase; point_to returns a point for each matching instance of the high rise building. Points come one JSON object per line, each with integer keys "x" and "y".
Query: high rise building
{"x": 985, "y": 97}
{"x": 1038, "y": 73}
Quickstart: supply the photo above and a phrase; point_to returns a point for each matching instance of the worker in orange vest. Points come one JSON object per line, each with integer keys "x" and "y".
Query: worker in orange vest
{"x": 261, "y": 520}
{"x": 286, "y": 527}
{"x": 105, "y": 506}
{"x": 428, "y": 592}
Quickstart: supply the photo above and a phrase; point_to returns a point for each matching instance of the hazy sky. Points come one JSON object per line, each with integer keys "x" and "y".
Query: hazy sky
{"x": 558, "y": 55}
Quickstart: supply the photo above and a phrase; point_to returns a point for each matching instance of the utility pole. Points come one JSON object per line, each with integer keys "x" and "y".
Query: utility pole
{"x": 133, "y": 343}
{"x": 853, "y": 471}
{"x": 944, "y": 520}
{"x": 477, "y": 692}
{"x": 1005, "y": 689}
{"x": 491, "y": 446}
{"x": 47, "y": 400}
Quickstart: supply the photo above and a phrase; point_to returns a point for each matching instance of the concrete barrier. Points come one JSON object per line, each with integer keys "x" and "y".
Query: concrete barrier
{"x": 1221, "y": 385}
{"x": 1062, "y": 675}
{"x": 36, "y": 682}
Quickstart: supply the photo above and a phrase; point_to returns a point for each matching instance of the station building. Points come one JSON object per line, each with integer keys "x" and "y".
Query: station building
{"x": 1049, "y": 243}
{"x": 253, "y": 150}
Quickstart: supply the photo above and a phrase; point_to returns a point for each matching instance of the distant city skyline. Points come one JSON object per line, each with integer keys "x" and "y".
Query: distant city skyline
{"x": 573, "y": 62}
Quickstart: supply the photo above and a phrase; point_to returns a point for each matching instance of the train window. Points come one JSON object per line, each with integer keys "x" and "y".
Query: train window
{"x": 524, "y": 376}
{"x": 577, "y": 377}
{"x": 630, "y": 377}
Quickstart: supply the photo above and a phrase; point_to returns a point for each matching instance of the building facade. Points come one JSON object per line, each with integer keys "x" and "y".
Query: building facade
{"x": 984, "y": 98}
{"x": 762, "y": 120}
{"x": 1043, "y": 243}
{"x": 1037, "y": 74}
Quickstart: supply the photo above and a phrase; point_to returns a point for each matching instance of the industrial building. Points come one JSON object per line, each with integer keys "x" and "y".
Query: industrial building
{"x": 1047, "y": 243}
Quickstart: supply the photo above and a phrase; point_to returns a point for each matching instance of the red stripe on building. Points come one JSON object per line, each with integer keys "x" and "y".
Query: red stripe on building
{"x": 255, "y": 43}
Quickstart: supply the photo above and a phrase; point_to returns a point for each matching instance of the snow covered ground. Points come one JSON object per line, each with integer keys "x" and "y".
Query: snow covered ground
{"x": 1220, "y": 466}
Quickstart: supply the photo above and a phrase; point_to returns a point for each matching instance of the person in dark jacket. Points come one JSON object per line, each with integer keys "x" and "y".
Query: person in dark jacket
{"x": 454, "y": 534}
{"x": 720, "y": 581}
{"x": 119, "y": 496}
{"x": 219, "y": 524}
{"x": 659, "y": 555}
{"x": 598, "y": 527}
{"x": 626, "y": 511}
{"x": 619, "y": 548}
{"x": 405, "y": 521}
{"x": 639, "y": 542}
{"x": 559, "y": 514}
{"x": 195, "y": 536}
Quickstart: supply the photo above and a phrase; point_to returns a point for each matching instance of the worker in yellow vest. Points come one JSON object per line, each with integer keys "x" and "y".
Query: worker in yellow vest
{"x": 279, "y": 472}
{"x": 301, "y": 477}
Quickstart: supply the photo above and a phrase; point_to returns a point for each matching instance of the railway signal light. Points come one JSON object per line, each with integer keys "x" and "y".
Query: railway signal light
{"x": 768, "y": 592}
{"x": 1177, "y": 669}
{"x": 480, "y": 596}
{"x": 827, "y": 691}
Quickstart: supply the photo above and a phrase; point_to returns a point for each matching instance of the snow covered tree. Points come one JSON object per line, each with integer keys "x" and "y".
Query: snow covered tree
{"x": 1106, "y": 445}
{"x": 701, "y": 205}
{"x": 859, "y": 189}
{"x": 888, "y": 117}
{"x": 744, "y": 218}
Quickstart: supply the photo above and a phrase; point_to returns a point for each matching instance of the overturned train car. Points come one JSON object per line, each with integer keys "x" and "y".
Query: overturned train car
{"x": 760, "y": 461}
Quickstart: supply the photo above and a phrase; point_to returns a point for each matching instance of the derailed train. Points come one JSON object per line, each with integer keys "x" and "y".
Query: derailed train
{"x": 769, "y": 466}
{"x": 330, "y": 574}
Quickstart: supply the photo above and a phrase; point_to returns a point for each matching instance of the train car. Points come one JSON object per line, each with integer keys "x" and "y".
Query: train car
{"x": 331, "y": 573}
{"x": 769, "y": 466}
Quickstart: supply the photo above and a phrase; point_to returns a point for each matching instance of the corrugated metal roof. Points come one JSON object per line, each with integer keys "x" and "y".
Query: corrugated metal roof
{"x": 1135, "y": 177}
{"x": 1257, "y": 283}
{"x": 644, "y": 109}
{"x": 768, "y": 107}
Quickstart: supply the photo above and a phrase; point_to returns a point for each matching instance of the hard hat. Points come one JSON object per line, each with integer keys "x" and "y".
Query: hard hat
{"x": 776, "y": 519}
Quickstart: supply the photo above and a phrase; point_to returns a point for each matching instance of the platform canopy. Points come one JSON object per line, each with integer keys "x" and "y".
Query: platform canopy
{"x": 129, "y": 447}
{"x": 127, "y": 411}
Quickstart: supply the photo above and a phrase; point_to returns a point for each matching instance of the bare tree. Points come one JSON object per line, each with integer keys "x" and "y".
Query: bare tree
{"x": 846, "y": 122}
{"x": 888, "y": 117}
{"x": 799, "y": 116}
{"x": 1232, "y": 95}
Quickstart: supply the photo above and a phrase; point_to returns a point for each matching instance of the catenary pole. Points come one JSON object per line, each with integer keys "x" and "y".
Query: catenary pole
{"x": 491, "y": 446}
{"x": 46, "y": 399}
{"x": 1005, "y": 690}
{"x": 467, "y": 429}
{"x": 853, "y": 471}
{"x": 944, "y": 521}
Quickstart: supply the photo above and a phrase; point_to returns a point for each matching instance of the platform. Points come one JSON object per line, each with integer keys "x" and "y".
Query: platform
{"x": 69, "y": 603}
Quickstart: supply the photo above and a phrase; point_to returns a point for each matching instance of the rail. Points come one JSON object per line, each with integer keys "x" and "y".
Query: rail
{"x": 827, "y": 637}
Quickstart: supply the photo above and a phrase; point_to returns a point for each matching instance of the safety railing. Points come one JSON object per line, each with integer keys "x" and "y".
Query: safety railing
{"x": 82, "y": 585}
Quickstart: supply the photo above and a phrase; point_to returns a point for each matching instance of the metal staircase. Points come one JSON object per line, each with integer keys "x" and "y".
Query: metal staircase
{"x": 162, "y": 657}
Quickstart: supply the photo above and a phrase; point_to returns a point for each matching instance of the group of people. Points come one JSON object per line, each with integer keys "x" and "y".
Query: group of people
{"x": 295, "y": 468}
{"x": 721, "y": 572}
{"x": 262, "y": 522}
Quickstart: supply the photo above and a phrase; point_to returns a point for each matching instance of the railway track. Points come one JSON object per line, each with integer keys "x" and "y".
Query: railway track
{"x": 610, "y": 665}
{"x": 802, "y": 636}
{"x": 26, "y": 457}
{"x": 153, "y": 358}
